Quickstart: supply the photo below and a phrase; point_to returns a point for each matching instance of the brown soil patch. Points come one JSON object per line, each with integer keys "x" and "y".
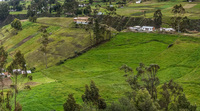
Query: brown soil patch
{"x": 189, "y": 5}
{"x": 24, "y": 20}
{"x": 7, "y": 82}
{"x": 31, "y": 83}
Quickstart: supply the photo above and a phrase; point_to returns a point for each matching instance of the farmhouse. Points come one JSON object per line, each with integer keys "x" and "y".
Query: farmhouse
{"x": 82, "y": 5}
{"x": 135, "y": 28}
{"x": 148, "y": 28}
{"x": 167, "y": 29}
{"x": 81, "y": 20}
{"x": 100, "y": 13}
{"x": 139, "y": 1}
{"x": 5, "y": 74}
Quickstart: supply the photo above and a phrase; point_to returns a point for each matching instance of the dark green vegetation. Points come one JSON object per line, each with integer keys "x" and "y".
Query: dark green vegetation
{"x": 3, "y": 10}
{"x": 101, "y": 64}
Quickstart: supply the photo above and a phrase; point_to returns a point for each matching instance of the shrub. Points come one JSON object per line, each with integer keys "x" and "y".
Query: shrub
{"x": 33, "y": 19}
{"x": 30, "y": 77}
{"x": 33, "y": 69}
{"x": 16, "y": 24}
{"x": 27, "y": 87}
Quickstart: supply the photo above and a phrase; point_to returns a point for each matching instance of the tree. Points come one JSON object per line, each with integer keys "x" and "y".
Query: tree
{"x": 18, "y": 107}
{"x": 170, "y": 93}
{"x": 144, "y": 102}
{"x": 126, "y": 69}
{"x": 111, "y": 10}
{"x": 18, "y": 63}
{"x": 16, "y": 24}
{"x": 45, "y": 42}
{"x": 3, "y": 60}
{"x": 51, "y": 2}
{"x": 40, "y": 5}
{"x": 15, "y": 4}
{"x": 70, "y": 104}
{"x": 89, "y": 28}
{"x": 58, "y": 8}
{"x": 149, "y": 79}
{"x": 144, "y": 85}
{"x": 92, "y": 97}
{"x": 19, "y": 8}
{"x": 90, "y": 1}
{"x": 3, "y": 10}
{"x": 184, "y": 104}
{"x": 31, "y": 14}
{"x": 70, "y": 6}
{"x": 99, "y": 32}
{"x": 179, "y": 22}
{"x": 157, "y": 18}
{"x": 87, "y": 10}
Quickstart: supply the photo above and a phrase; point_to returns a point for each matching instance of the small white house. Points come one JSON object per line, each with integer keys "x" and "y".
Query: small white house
{"x": 100, "y": 13}
{"x": 148, "y": 28}
{"x": 139, "y": 1}
{"x": 82, "y": 5}
{"x": 28, "y": 71}
{"x": 135, "y": 28}
{"x": 5, "y": 74}
{"x": 167, "y": 29}
{"x": 16, "y": 70}
{"x": 81, "y": 20}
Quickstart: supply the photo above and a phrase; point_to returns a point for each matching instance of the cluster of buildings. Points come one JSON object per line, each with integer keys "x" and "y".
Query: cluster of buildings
{"x": 7, "y": 74}
{"x": 85, "y": 20}
{"x": 149, "y": 29}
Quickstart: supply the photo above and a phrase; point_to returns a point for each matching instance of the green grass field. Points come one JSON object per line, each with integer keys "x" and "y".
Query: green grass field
{"x": 136, "y": 10}
{"x": 101, "y": 64}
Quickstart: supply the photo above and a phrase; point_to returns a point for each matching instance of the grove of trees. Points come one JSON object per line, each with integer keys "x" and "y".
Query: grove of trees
{"x": 4, "y": 7}
{"x": 145, "y": 94}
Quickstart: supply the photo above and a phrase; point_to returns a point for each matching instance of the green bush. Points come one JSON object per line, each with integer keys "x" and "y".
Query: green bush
{"x": 16, "y": 24}
{"x": 33, "y": 19}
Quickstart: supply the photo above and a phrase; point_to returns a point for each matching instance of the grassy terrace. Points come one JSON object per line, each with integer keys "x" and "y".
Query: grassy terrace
{"x": 102, "y": 63}
{"x": 166, "y": 7}
{"x": 136, "y": 10}
{"x": 64, "y": 41}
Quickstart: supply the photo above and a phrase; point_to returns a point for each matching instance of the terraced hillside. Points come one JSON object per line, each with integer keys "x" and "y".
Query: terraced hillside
{"x": 101, "y": 64}
{"x": 64, "y": 40}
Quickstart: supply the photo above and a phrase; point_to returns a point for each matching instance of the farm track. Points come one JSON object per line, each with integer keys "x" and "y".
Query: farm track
{"x": 24, "y": 40}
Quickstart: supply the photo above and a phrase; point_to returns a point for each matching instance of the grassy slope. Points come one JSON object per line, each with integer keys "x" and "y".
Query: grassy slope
{"x": 102, "y": 63}
{"x": 150, "y": 7}
{"x": 64, "y": 41}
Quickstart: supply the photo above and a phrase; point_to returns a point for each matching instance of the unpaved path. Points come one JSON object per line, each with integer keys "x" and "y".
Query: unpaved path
{"x": 7, "y": 82}
{"x": 189, "y": 6}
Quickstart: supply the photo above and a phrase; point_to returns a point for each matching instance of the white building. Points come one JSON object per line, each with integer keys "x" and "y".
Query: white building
{"x": 21, "y": 71}
{"x": 81, "y": 20}
{"x": 148, "y": 28}
{"x": 139, "y": 1}
{"x": 100, "y": 13}
{"x": 135, "y": 28}
{"x": 167, "y": 29}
